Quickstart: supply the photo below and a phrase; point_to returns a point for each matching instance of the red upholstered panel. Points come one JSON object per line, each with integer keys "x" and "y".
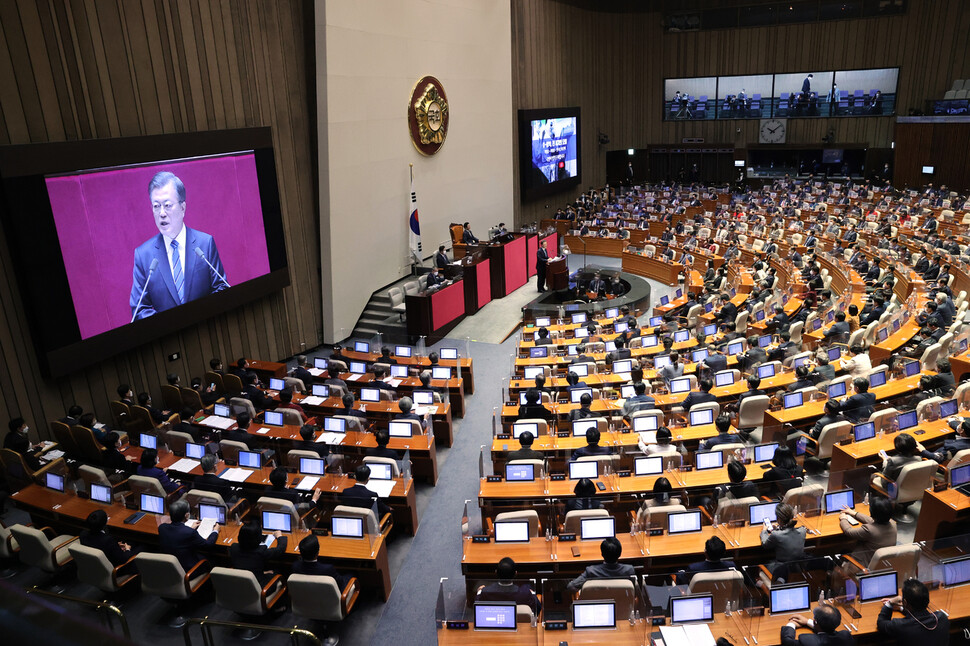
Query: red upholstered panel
{"x": 532, "y": 246}
{"x": 515, "y": 275}
{"x": 447, "y": 304}
{"x": 483, "y": 279}
{"x": 553, "y": 246}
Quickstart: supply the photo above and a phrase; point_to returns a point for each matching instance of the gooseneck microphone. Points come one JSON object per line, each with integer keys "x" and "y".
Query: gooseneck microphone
{"x": 201, "y": 255}
{"x": 151, "y": 270}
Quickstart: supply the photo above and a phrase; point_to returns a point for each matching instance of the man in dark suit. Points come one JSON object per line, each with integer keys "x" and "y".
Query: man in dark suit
{"x": 405, "y": 404}
{"x": 382, "y": 437}
{"x": 807, "y": 84}
{"x": 18, "y": 441}
{"x": 209, "y": 481}
{"x": 95, "y": 537}
{"x": 308, "y": 563}
{"x": 251, "y": 554}
{"x": 526, "y": 438}
{"x": 542, "y": 337}
{"x": 467, "y": 236}
{"x": 349, "y": 411}
{"x": 278, "y": 489}
{"x": 243, "y": 372}
{"x": 860, "y": 405}
{"x": 839, "y": 332}
{"x": 241, "y": 432}
{"x": 714, "y": 550}
{"x": 728, "y": 311}
{"x": 532, "y": 409}
{"x": 597, "y": 285}
{"x": 441, "y": 258}
{"x": 183, "y": 542}
{"x": 506, "y": 589}
{"x": 779, "y": 322}
{"x": 256, "y": 395}
{"x": 168, "y": 268}
{"x": 302, "y": 373}
{"x": 435, "y": 278}
{"x": 73, "y": 415}
{"x": 542, "y": 262}
{"x": 754, "y": 390}
{"x": 918, "y": 625}
{"x": 825, "y": 629}
{"x": 158, "y": 415}
{"x": 360, "y": 496}
{"x": 610, "y": 568}
{"x": 592, "y": 446}
{"x": 700, "y": 396}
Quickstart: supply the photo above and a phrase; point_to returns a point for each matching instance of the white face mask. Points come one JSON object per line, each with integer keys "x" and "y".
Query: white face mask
{"x": 25, "y": 430}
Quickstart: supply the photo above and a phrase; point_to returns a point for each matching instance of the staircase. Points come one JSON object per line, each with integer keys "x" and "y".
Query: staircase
{"x": 378, "y": 317}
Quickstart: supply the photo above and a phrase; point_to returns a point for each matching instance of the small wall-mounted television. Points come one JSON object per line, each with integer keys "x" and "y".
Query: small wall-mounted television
{"x": 549, "y": 151}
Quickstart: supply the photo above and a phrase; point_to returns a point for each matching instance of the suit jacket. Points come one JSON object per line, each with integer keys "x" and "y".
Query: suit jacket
{"x": 602, "y": 571}
{"x": 108, "y": 545}
{"x": 468, "y": 237}
{"x": 305, "y": 376}
{"x": 869, "y": 536}
{"x": 788, "y": 544}
{"x": 183, "y": 542}
{"x": 360, "y": 496}
{"x": 520, "y": 594}
{"x": 838, "y": 638}
{"x": 198, "y": 281}
{"x": 316, "y": 568}
{"x": 907, "y": 630}
{"x": 537, "y": 411}
{"x": 589, "y": 449}
{"x": 542, "y": 258}
{"x": 716, "y": 362}
{"x": 159, "y": 475}
{"x": 440, "y": 260}
{"x": 858, "y": 406}
{"x": 258, "y": 398}
{"x": 703, "y": 566}
{"x": 384, "y": 453}
{"x": 215, "y": 484}
{"x": 697, "y": 397}
{"x": 257, "y": 560}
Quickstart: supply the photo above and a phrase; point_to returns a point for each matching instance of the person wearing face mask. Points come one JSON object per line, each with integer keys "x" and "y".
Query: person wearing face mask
{"x": 17, "y": 441}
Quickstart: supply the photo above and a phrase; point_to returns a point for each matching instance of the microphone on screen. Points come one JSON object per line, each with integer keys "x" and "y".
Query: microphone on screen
{"x": 151, "y": 270}
{"x": 201, "y": 255}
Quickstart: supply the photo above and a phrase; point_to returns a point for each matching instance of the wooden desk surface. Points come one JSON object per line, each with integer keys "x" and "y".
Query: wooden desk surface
{"x": 814, "y": 409}
{"x": 856, "y": 454}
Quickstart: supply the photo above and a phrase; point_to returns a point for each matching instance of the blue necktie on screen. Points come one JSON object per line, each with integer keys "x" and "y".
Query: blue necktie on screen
{"x": 177, "y": 271}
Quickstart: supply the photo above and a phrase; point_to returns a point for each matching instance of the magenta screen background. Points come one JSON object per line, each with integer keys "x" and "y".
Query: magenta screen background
{"x": 102, "y": 217}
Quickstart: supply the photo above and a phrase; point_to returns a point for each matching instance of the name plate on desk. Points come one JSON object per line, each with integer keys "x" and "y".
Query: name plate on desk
{"x": 656, "y": 531}
{"x": 567, "y": 538}
{"x": 557, "y": 477}
{"x": 686, "y": 468}
{"x": 555, "y": 625}
{"x": 503, "y": 436}
{"x": 624, "y": 474}
{"x": 456, "y": 625}
{"x": 562, "y": 433}
{"x": 493, "y": 478}
{"x": 483, "y": 538}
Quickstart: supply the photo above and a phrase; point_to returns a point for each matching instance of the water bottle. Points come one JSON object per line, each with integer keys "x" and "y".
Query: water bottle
{"x": 727, "y": 608}
{"x": 716, "y": 521}
{"x": 632, "y": 618}
{"x": 821, "y": 597}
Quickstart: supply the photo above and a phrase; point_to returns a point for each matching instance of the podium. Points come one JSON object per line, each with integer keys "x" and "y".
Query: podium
{"x": 557, "y": 274}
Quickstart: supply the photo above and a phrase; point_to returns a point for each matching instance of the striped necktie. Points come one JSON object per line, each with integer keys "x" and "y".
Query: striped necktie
{"x": 177, "y": 271}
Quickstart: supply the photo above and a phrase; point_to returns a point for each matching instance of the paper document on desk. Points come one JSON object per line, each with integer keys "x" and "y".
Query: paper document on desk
{"x": 354, "y": 377}
{"x": 331, "y": 438}
{"x": 206, "y": 526}
{"x": 312, "y": 400}
{"x": 236, "y": 475}
{"x": 688, "y": 635}
{"x": 625, "y": 376}
{"x": 648, "y": 437}
{"x": 52, "y": 455}
{"x": 316, "y": 372}
{"x": 184, "y": 466}
{"x": 421, "y": 411}
{"x": 394, "y": 382}
{"x": 381, "y": 487}
{"x": 309, "y": 482}
{"x": 214, "y": 421}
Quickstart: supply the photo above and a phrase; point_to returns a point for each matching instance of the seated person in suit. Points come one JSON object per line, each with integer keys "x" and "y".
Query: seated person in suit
{"x": 114, "y": 462}
{"x": 583, "y": 412}
{"x": 860, "y": 405}
{"x": 822, "y": 370}
{"x": 784, "y": 469}
{"x": 526, "y": 452}
{"x": 753, "y": 356}
{"x": 209, "y": 481}
{"x": 440, "y": 394}
{"x": 208, "y": 395}
{"x": 907, "y": 451}
{"x": 382, "y": 437}
{"x": 724, "y": 436}
{"x": 181, "y": 541}
{"x": 18, "y": 441}
{"x": 786, "y": 540}
{"x": 158, "y": 415}
{"x": 386, "y": 356}
{"x": 542, "y": 337}
{"x": 715, "y": 361}
{"x": 249, "y": 552}
{"x": 872, "y": 532}
{"x": 117, "y": 552}
{"x": 585, "y": 496}
{"x": 573, "y": 382}
{"x": 754, "y": 388}
{"x": 405, "y": 404}
{"x": 700, "y": 396}
{"x": 125, "y": 394}
{"x": 592, "y": 446}
{"x": 532, "y": 409}
{"x": 467, "y": 236}
{"x": 348, "y": 410}
{"x": 302, "y": 373}
{"x": 621, "y": 352}
{"x": 802, "y": 380}
{"x": 505, "y": 589}
{"x": 441, "y": 258}
{"x": 359, "y": 495}
{"x": 738, "y": 487}
{"x": 714, "y": 550}
{"x": 379, "y": 375}
{"x": 241, "y": 432}
{"x": 640, "y": 400}
{"x": 278, "y": 479}
{"x": 333, "y": 379}
{"x": 307, "y": 434}
{"x": 540, "y": 385}
{"x": 610, "y": 568}
{"x": 824, "y": 625}
{"x": 830, "y": 415}
{"x": 309, "y": 565}
{"x": 286, "y": 401}
{"x": 662, "y": 494}
{"x": 242, "y": 370}
{"x": 73, "y": 415}
{"x": 148, "y": 468}
{"x": 918, "y": 625}
{"x": 954, "y": 445}
{"x": 88, "y": 420}
{"x": 254, "y": 394}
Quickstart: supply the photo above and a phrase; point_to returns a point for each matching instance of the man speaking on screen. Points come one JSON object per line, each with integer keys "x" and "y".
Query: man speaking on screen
{"x": 179, "y": 264}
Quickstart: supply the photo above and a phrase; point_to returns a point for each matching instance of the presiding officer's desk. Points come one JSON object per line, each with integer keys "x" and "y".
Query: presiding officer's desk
{"x": 366, "y": 558}
{"x": 355, "y": 444}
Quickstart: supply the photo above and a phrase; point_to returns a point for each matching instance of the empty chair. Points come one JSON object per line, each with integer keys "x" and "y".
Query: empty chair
{"x": 621, "y": 591}
{"x": 541, "y": 425}
{"x": 242, "y": 405}
{"x": 531, "y": 515}
{"x": 94, "y": 568}
{"x": 43, "y": 548}
{"x": 240, "y": 592}
{"x": 172, "y": 397}
{"x": 734, "y": 509}
{"x": 372, "y": 525}
{"x": 293, "y": 457}
{"x": 396, "y": 294}
{"x": 657, "y": 516}
{"x": 162, "y": 575}
{"x": 295, "y": 383}
{"x": 230, "y": 450}
{"x": 725, "y": 586}
{"x": 901, "y": 558}
{"x": 291, "y": 416}
{"x": 233, "y": 385}
{"x": 805, "y": 497}
{"x": 927, "y": 362}
{"x": 411, "y": 288}
{"x": 65, "y": 441}
{"x": 96, "y": 475}
{"x": 176, "y": 441}
{"x": 280, "y": 505}
{"x": 396, "y": 466}
{"x": 573, "y": 521}
{"x": 883, "y": 418}
{"x": 751, "y": 414}
{"x": 829, "y": 436}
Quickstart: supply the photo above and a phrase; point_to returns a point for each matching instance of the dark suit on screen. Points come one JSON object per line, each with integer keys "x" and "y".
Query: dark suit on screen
{"x": 199, "y": 279}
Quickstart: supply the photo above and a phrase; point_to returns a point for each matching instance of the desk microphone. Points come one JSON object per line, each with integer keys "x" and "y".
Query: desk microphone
{"x": 151, "y": 270}
{"x": 201, "y": 255}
